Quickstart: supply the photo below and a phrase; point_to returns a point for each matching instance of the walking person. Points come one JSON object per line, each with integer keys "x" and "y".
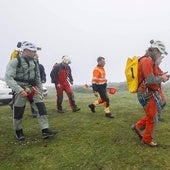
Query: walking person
{"x": 99, "y": 85}
{"x": 25, "y": 82}
{"x": 62, "y": 78}
{"x": 34, "y": 108}
{"x": 148, "y": 92}
{"x": 159, "y": 72}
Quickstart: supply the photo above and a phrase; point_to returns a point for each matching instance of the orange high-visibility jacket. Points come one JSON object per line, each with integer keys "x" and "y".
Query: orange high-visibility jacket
{"x": 99, "y": 75}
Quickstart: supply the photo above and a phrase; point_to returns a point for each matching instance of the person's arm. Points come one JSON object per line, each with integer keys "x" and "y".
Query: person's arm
{"x": 54, "y": 74}
{"x": 38, "y": 76}
{"x": 148, "y": 73}
{"x": 42, "y": 73}
{"x": 70, "y": 75}
{"x": 10, "y": 76}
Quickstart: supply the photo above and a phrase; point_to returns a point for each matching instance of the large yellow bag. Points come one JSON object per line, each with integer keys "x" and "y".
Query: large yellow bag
{"x": 131, "y": 73}
{"x": 14, "y": 54}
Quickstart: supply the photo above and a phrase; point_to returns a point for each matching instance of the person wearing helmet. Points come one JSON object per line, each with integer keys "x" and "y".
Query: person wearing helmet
{"x": 34, "y": 109}
{"x": 99, "y": 84}
{"x": 15, "y": 54}
{"x": 62, "y": 78}
{"x": 26, "y": 83}
{"x": 159, "y": 72}
{"x": 148, "y": 92}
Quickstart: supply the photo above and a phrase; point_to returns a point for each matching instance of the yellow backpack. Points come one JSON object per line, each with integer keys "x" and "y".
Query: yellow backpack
{"x": 14, "y": 54}
{"x": 131, "y": 73}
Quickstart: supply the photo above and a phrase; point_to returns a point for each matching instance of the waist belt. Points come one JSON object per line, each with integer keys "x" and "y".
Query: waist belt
{"x": 31, "y": 81}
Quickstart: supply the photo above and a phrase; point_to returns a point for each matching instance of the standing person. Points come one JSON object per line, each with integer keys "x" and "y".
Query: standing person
{"x": 34, "y": 109}
{"x": 148, "y": 92}
{"x": 99, "y": 84}
{"x": 43, "y": 80}
{"x": 42, "y": 73}
{"x": 25, "y": 82}
{"x": 159, "y": 72}
{"x": 62, "y": 77}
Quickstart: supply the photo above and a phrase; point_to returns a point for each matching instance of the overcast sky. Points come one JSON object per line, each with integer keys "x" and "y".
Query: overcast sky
{"x": 84, "y": 30}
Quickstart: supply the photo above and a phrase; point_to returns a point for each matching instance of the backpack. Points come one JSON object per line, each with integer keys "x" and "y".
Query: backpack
{"x": 14, "y": 54}
{"x": 131, "y": 73}
{"x": 54, "y": 66}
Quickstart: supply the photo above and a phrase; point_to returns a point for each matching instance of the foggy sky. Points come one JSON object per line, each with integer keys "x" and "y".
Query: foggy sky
{"x": 84, "y": 30}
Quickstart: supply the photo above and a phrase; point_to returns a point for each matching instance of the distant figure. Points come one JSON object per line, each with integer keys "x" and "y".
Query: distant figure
{"x": 148, "y": 93}
{"x": 42, "y": 73}
{"x": 25, "y": 82}
{"x": 62, "y": 77}
{"x": 159, "y": 72}
{"x": 99, "y": 84}
{"x": 34, "y": 109}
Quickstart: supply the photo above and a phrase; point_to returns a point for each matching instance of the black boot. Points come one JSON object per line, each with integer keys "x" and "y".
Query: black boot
{"x": 19, "y": 135}
{"x": 92, "y": 107}
{"x": 46, "y": 133}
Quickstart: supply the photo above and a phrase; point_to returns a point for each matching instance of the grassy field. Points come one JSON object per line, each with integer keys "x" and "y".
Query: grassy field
{"x": 86, "y": 141}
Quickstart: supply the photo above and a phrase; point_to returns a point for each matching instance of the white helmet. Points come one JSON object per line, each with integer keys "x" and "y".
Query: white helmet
{"x": 28, "y": 45}
{"x": 159, "y": 45}
{"x": 66, "y": 59}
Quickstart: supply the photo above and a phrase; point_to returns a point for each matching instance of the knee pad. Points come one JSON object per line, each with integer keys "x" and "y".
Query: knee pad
{"x": 18, "y": 112}
{"x": 41, "y": 108}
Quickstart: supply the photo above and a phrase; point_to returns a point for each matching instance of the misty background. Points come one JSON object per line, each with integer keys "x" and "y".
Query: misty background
{"x": 85, "y": 30}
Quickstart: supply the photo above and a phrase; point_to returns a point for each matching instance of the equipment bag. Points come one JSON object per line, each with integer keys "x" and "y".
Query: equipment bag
{"x": 131, "y": 73}
{"x": 14, "y": 54}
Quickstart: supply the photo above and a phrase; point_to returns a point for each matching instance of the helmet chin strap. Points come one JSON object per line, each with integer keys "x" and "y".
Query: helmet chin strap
{"x": 151, "y": 54}
{"x": 28, "y": 57}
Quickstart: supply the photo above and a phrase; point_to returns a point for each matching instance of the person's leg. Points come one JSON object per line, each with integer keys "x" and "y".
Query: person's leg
{"x": 59, "y": 100}
{"x": 34, "y": 109}
{"x": 94, "y": 104}
{"x": 70, "y": 95}
{"x": 42, "y": 117}
{"x": 18, "y": 111}
{"x": 104, "y": 96}
{"x": 151, "y": 113}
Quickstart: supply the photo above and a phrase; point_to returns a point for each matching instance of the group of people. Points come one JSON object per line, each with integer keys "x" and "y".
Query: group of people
{"x": 25, "y": 81}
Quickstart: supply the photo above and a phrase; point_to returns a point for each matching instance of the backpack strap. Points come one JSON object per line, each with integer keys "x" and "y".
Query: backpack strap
{"x": 19, "y": 61}
{"x": 143, "y": 78}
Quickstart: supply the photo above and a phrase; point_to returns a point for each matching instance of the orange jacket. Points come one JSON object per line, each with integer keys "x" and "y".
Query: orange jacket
{"x": 147, "y": 67}
{"x": 99, "y": 75}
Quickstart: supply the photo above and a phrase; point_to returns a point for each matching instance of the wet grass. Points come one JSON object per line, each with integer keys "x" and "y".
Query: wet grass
{"x": 86, "y": 141}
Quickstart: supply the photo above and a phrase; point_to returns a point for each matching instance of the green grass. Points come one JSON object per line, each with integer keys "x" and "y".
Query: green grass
{"x": 86, "y": 141}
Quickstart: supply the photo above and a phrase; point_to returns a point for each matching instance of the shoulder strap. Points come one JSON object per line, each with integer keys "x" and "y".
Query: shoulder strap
{"x": 19, "y": 62}
{"x": 143, "y": 78}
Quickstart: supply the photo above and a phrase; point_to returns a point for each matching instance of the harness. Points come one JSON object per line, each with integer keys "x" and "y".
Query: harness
{"x": 29, "y": 81}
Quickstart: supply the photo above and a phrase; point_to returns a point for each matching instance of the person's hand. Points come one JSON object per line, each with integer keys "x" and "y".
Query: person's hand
{"x": 165, "y": 77}
{"x": 58, "y": 85}
{"x": 23, "y": 93}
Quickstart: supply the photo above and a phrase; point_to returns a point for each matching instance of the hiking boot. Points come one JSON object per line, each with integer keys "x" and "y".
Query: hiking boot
{"x": 60, "y": 111}
{"x": 137, "y": 131}
{"x": 161, "y": 119}
{"x": 34, "y": 116}
{"x": 76, "y": 109}
{"x": 46, "y": 133}
{"x": 92, "y": 107}
{"x": 151, "y": 144}
{"x": 109, "y": 115}
{"x": 19, "y": 135}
